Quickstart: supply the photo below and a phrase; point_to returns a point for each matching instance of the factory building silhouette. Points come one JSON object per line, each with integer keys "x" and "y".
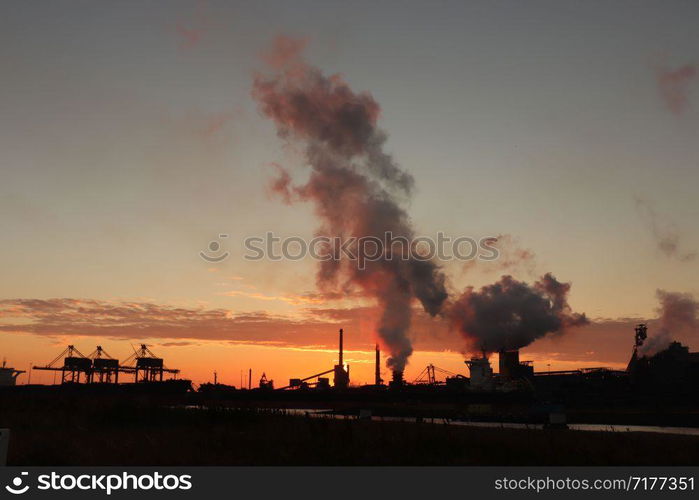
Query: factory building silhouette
{"x": 671, "y": 371}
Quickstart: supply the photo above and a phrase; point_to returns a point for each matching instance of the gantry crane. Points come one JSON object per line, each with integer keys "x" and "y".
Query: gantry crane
{"x": 146, "y": 366}
{"x": 104, "y": 366}
{"x": 74, "y": 365}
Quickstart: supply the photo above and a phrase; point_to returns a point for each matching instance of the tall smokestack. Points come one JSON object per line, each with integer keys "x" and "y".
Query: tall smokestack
{"x": 377, "y": 374}
{"x": 250, "y": 378}
{"x": 341, "y": 373}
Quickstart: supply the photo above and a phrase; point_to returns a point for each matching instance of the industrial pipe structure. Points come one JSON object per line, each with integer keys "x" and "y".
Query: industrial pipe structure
{"x": 340, "y": 373}
{"x": 298, "y": 382}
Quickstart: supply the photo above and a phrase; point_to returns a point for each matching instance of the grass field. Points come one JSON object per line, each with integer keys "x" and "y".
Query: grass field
{"x": 71, "y": 432}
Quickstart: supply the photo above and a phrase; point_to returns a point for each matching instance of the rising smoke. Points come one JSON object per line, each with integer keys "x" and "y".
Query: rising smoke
{"x": 667, "y": 237}
{"x": 677, "y": 314}
{"x": 355, "y": 186}
{"x": 511, "y": 314}
{"x": 512, "y": 257}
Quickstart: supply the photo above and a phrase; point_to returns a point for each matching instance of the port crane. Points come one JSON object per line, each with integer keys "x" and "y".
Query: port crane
{"x": 146, "y": 366}
{"x": 104, "y": 366}
{"x": 75, "y": 364}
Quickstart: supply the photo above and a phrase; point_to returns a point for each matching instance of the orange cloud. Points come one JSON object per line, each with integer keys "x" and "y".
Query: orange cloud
{"x": 135, "y": 320}
{"x": 604, "y": 342}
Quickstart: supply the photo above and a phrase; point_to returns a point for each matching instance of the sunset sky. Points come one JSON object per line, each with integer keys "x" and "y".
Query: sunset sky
{"x": 130, "y": 140}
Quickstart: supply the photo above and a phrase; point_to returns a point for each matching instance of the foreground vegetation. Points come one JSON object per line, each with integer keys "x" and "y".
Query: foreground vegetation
{"x": 128, "y": 432}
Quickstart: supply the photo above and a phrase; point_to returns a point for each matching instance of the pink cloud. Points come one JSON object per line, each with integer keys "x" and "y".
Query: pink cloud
{"x": 189, "y": 37}
{"x": 284, "y": 50}
{"x": 193, "y": 30}
{"x": 673, "y": 86}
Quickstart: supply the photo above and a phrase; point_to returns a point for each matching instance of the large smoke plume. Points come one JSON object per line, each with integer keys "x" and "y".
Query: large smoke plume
{"x": 677, "y": 313}
{"x": 511, "y": 314}
{"x": 355, "y": 186}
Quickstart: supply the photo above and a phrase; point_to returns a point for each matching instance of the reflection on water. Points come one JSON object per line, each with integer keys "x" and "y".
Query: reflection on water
{"x": 687, "y": 431}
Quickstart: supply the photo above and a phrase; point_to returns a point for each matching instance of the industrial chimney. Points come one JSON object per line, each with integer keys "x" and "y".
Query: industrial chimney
{"x": 509, "y": 364}
{"x": 377, "y": 374}
{"x": 340, "y": 359}
{"x": 341, "y": 376}
{"x": 397, "y": 381}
